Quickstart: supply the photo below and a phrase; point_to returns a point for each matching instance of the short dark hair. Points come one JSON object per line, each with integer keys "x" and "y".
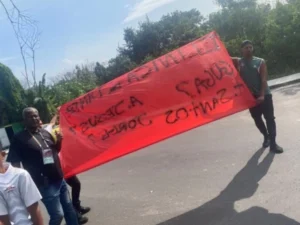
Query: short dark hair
{"x": 1, "y": 146}
{"x": 246, "y": 42}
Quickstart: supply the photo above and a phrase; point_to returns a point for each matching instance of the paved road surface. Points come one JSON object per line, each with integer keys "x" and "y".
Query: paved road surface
{"x": 214, "y": 175}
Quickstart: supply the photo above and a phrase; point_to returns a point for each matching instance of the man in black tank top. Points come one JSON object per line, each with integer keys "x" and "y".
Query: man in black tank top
{"x": 253, "y": 71}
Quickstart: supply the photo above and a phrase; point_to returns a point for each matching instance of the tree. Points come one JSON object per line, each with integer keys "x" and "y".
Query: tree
{"x": 72, "y": 84}
{"x": 11, "y": 97}
{"x": 27, "y": 34}
{"x": 274, "y": 30}
{"x": 240, "y": 20}
{"x": 156, "y": 38}
{"x": 101, "y": 74}
{"x": 283, "y": 38}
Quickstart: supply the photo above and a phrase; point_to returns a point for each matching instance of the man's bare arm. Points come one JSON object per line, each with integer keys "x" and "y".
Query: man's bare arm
{"x": 263, "y": 75}
{"x": 4, "y": 220}
{"x": 35, "y": 213}
{"x": 235, "y": 61}
{"x": 53, "y": 120}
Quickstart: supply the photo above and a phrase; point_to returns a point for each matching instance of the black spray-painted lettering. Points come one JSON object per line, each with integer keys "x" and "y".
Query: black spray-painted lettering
{"x": 181, "y": 88}
{"x": 192, "y": 55}
{"x": 221, "y": 95}
{"x": 100, "y": 93}
{"x": 173, "y": 116}
{"x": 220, "y": 98}
{"x": 84, "y": 126}
{"x": 92, "y": 138}
{"x": 201, "y": 83}
{"x": 115, "y": 87}
{"x": 198, "y": 108}
{"x": 155, "y": 65}
{"x": 80, "y": 104}
{"x": 97, "y": 119}
{"x": 73, "y": 108}
{"x": 134, "y": 101}
{"x": 125, "y": 126}
{"x": 181, "y": 54}
{"x": 213, "y": 75}
{"x": 224, "y": 68}
{"x": 73, "y": 129}
{"x": 208, "y": 106}
{"x": 207, "y": 46}
{"x": 85, "y": 100}
{"x": 166, "y": 62}
{"x": 139, "y": 74}
{"x": 240, "y": 88}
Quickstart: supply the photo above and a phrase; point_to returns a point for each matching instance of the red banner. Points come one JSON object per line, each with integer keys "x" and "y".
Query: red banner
{"x": 186, "y": 88}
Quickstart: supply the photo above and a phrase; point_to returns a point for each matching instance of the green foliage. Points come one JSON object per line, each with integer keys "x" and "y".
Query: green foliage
{"x": 156, "y": 38}
{"x": 275, "y": 33}
{"x": 11, "y": 97}
{"x": 73, "y": 84}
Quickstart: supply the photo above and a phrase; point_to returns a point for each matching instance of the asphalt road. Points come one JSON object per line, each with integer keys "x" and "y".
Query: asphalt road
{"x": 214, "y": 175}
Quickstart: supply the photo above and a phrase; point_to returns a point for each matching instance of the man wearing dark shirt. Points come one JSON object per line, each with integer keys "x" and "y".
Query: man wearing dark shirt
{"x": 38, "y": 153}
{"x": 253, "y": 71}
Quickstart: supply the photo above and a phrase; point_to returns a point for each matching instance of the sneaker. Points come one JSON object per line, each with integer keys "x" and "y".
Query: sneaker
{"x": 266, "y": 142}
{"x": 276, "y": 149}
{"x": 84, "y": 210}
{"x": 82, "y": 219}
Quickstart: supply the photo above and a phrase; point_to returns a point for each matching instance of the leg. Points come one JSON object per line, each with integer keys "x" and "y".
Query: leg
{"x": 65, "y": 200}
{"x": 268, "y": 112}
{"x": 256, "y": 113}
{"x": 75, "y": 184}
{"x": 51, "y": 200}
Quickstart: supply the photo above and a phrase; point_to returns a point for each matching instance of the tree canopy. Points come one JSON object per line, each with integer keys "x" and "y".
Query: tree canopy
{"x": 11, "y": 96}
{"x": 274, "y": 30}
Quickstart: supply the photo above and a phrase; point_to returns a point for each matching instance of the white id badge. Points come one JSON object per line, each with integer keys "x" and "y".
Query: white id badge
{"x": 47, "y": 156}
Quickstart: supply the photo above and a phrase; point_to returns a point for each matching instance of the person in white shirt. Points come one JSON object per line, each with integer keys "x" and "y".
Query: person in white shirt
{"x": 19, "y": 196}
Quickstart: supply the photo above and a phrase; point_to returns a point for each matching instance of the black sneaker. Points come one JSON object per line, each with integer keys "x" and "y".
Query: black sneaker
{"x": 84, "y": 210}
{"x": 82, "y": 219}
{"x": 276, "y": 149}
{"x": 266, "y": 142}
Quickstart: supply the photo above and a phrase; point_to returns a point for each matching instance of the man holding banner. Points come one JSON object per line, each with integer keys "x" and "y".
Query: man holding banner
{"x": 253, "y": 71}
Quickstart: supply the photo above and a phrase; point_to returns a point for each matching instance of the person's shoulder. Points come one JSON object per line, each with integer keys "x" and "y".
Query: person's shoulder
{"x": 20, "y": 133}
{"x": 19, "y": 171}
{"x": 258, "y": 59}
{"x": 47, "y": 134}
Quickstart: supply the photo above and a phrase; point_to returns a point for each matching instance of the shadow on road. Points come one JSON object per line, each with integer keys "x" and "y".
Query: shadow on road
{"x": 220, "y": 210}
{"x": 290, "y": 90}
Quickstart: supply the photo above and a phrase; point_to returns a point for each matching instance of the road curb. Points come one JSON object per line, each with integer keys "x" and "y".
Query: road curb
{"x": 284, "y": 81}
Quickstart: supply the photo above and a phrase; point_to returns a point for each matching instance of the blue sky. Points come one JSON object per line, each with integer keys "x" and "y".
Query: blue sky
{"x": 75, "y": 33}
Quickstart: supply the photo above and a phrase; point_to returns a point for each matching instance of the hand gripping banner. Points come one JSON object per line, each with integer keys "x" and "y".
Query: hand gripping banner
{"x": 186, "y": 88}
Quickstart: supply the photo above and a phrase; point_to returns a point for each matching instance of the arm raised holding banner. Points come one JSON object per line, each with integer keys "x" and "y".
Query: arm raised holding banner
{"x": 235, "y": 61}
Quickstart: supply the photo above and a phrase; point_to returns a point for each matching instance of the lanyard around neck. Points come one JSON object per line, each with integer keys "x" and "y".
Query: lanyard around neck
{"x": 37, "y": 141}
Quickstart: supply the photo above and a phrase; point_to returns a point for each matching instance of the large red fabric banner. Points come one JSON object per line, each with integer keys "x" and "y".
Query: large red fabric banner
{"x": 186, "y": 88}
